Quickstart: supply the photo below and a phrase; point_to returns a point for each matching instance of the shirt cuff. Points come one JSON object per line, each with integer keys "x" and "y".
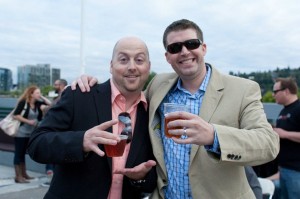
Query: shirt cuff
{"x": 215, "y": 147}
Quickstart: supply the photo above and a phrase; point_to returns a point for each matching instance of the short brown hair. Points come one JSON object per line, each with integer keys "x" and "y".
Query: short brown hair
{"x": 182, "y": 24}
{"x": 289, "y": 83}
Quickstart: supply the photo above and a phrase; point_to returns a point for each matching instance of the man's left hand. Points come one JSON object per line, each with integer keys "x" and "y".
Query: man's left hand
{"x": 138, "y": 172}
{"x": 85, "y": 82}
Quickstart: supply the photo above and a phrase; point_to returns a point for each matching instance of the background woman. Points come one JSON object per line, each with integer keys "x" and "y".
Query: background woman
{"x": 31, "y": 100}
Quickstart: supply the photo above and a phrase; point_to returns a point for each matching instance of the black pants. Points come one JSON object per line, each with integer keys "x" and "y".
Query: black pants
{"x": 20, "y": 149}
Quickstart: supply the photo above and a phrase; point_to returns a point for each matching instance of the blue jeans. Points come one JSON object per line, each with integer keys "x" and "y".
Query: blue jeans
{"x": 277, "y": 189}
{"x": 289, "y": 183}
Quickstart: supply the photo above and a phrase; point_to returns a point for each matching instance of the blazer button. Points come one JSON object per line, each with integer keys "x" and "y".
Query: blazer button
{"x": 240, "y": 157}
{"x": 229, "y": 156}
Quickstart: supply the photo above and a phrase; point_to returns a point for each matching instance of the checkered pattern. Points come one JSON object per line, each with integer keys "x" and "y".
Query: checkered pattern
{"x": 177, "y": 156}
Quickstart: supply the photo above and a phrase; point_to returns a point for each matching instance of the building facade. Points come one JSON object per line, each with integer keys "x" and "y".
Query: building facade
{"x": 40, "y": 75}
{"x": 55, "y": 75}
{"x": 6, "y": 81}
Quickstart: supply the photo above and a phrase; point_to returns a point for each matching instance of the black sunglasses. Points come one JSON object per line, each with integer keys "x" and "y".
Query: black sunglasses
{"x": 124, "y": 117}
{"x": 276, "y": 91}
{"x": 191, "y": 44}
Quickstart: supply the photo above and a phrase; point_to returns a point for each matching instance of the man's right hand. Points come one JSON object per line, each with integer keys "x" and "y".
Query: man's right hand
{"x": 98, "y": 135}
{"x": 85, "y": 82}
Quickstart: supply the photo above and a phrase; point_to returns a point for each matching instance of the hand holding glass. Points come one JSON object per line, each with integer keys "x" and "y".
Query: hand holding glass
{"x": 118, "y": 149}
{"x": 172, "y": 107}
{"x": 126, "y": 137}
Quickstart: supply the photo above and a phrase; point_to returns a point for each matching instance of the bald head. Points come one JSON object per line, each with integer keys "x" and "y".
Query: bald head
{"x": 130, "y": 43}
{"x": 130, "y": 66}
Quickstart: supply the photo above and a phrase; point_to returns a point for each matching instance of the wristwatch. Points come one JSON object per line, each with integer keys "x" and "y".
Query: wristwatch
{"x": 137, "y": 183}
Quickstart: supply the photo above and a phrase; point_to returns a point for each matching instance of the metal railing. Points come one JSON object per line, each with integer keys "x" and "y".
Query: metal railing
{"x": 4, "y": 111}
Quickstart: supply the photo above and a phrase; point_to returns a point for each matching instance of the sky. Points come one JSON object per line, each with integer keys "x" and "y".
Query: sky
{"x": 241, "y": 36}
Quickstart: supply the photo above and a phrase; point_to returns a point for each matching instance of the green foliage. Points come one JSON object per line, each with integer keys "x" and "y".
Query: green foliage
{"x": 45, "y": 90}
{"x": 17, "y": 93}
{"x": 14, "y": 94}
{"x": 267, "y": 97}
{"x": 266, "y": 79}
{"x": 152, "y": 74}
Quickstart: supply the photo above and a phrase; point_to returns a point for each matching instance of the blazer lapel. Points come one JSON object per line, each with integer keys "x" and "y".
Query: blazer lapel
{"x": 213, "y": 94}
{"x": 156, "y": 99}
{"x": 140, "y": 131}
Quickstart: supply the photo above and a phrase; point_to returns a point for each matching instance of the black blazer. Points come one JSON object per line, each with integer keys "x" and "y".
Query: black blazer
{"x": 59, "y": 140}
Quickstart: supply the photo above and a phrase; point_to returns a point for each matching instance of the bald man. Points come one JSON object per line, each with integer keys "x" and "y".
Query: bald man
{"x": 75, "y": 130}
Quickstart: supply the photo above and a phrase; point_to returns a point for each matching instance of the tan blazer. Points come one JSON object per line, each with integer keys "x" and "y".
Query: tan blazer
{"x": 233, "y": 106}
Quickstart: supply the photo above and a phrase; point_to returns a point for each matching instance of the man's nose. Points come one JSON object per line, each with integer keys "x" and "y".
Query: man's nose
{"x": 184, "y": 50}
{"x": 131, "y": 65}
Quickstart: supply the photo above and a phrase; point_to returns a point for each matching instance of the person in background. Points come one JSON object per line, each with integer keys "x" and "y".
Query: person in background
{"x": 226, "y": 130}
{"x": 31, "y": 100}
{"x": 285, "y": 92}
{"x": 59, "y": 86}
{"x": 74, "y": 131}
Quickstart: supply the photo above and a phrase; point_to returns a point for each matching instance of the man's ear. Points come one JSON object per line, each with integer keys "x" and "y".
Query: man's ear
{"x": 167, "y": 57}
{"x": 111, "y": 65}
{"x": 204, "y": 48}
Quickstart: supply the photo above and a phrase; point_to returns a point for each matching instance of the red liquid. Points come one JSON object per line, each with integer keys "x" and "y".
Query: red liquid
{"x": 166, "y": 128}
{"x": 115, "y": 150}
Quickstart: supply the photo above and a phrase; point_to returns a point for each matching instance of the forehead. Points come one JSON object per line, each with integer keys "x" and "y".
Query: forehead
{"x": 131, "y": 48}
{"x": 181, "y": 35}
{"x": 277, "y": 85}
{"x": 36, "y": 90}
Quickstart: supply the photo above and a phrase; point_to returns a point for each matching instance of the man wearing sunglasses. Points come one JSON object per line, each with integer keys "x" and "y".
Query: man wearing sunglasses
{"x": 285, "y": 92}
{"x": 226, "y": 130}
{"x": 75, "y": 130}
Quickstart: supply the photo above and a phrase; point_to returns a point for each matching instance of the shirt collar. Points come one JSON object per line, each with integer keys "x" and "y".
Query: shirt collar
{"x": 203, "y": 84}
{"x": 116, "y": 93}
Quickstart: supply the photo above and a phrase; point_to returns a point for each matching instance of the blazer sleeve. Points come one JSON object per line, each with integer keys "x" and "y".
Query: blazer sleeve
{"x": 54, "y": 141}
{"x": 245, "y": 136}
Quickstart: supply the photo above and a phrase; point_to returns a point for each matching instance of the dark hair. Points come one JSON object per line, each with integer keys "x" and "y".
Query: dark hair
{"x": 182, "y": 24}
{"x": 63, "y": 82}
{"x": 289, "y": 83}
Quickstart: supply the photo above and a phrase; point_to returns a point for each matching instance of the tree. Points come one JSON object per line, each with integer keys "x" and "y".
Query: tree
{"x": 152, "y": 74}
{"x": 268, "y": 97}
{"x": 45, "y": 90}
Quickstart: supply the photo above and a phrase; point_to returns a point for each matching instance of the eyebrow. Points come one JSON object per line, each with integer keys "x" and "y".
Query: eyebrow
{"x": 138, "y": 54}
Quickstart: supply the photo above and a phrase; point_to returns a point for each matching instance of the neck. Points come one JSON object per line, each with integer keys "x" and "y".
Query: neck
{"x": 291, "y": 100}
{"x": 131, "y": 99}
{"x": 32, "y": 102}
{"x": 192, "y": 84}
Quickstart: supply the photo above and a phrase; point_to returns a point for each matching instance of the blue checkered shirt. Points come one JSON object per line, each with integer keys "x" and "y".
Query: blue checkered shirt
{"x": 177, "y": 156}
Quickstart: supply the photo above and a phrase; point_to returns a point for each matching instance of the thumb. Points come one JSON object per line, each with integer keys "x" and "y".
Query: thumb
{"x": 150, "y": 163}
